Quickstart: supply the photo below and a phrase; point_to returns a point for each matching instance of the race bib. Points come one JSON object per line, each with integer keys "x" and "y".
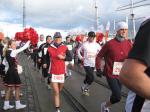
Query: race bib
{"x": 91, "y": 55}
{"x": 45, "y": 51}
{"x": 40, "y": 54}
{"x": 58, "y": 78}
{"x": 69, "y": 47}
{"x": 117, "y": 68}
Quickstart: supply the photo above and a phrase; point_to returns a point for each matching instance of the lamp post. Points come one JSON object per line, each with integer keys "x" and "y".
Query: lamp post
{"x": 24, "y": 15}
{"x": 96, "y": 16}
{"x": 133, "y": 19}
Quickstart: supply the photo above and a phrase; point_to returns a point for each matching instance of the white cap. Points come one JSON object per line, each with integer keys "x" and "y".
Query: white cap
{"x": 122, "y": 25}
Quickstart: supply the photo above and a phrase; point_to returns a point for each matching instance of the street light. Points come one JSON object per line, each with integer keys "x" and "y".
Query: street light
{"x": 96, "y": 15}
{"x": 24, "y": 15}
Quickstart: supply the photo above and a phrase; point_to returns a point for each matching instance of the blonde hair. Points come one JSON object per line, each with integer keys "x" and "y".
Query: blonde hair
{"x": 7, "y": 47}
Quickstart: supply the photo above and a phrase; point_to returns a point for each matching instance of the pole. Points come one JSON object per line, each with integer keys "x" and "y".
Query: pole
{"x": 133, "y": 19}
{"x": 114, "y": 25}
{"x": 24, "y": 15}
{"x": 96, "y": 15}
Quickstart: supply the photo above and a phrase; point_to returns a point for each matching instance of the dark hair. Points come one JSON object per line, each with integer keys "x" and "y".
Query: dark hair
{"x": 67, "y": 37}
{"x": 91, "y": 34}
{"x": 48, "y": 37}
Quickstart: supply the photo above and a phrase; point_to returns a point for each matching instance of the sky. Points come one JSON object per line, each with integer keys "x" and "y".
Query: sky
{"x": 66, "y": 14}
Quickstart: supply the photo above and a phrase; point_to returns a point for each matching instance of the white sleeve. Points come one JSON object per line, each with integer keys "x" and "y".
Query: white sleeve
{"x": 15, "y": 52}
{"x": 79, "y": 52}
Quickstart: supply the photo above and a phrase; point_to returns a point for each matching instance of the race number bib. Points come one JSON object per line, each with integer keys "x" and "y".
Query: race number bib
{"x": 117, "y": 68}
{"x": 69, "y": 47}
{"x": 40, "y": 54}
{"x": 58, "y": 78}
{"x": 45, "y": 51}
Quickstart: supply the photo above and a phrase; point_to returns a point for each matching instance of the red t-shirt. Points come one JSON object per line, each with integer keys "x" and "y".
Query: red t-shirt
{"x": 113, "y": 51}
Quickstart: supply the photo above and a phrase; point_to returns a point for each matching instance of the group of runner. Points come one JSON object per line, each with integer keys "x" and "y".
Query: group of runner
{"x": 55, "y": 58}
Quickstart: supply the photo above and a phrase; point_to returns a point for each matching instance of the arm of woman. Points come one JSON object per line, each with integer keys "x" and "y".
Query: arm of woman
{"x": 15, "y": 52}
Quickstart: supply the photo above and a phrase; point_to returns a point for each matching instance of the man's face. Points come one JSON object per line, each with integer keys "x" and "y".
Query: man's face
{"x": 58, "y": 40}
{"x": 49, "y": 40}
{"x": 68, "y": 40}
{"x": 123, "y": 33}
{"x": 41, "y": 38}
{"x": 91, "y": 39}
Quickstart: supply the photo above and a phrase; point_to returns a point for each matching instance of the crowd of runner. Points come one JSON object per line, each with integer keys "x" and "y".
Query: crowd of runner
{"x": 55, "y": 59}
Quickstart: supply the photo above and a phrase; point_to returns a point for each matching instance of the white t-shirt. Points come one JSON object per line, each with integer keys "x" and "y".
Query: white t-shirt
{"x": 90, "y": 51}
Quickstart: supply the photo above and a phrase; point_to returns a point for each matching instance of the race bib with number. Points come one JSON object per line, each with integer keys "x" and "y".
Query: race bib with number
{"x": 58, "y": 78}
{"x": 117, "y": 68}
{"x": 69, "y": 47}
{"x": 45, "y": 51}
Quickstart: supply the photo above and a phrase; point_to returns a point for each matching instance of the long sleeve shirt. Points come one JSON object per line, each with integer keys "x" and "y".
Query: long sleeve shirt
{"x": 113, "y": 51}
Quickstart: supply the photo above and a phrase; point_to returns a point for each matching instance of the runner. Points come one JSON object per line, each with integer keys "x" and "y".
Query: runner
{"x": 69, "y": 64}
{"x": 58, "y": 53}
{"x": 39, "y": 53}
{"x": 90, "y": 49}
{"x": 114, "y": 53}
{"x": 45, "y": 60}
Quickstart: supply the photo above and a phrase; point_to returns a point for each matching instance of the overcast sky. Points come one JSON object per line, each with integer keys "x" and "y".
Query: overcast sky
{"x": 66, "y": 14}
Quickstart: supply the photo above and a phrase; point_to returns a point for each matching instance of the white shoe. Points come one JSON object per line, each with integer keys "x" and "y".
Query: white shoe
{"x": 7, "y": 107}
{"x": 104, "y": 108}
{"x": 20, "y": 106}
{"x": 85, "y": 91}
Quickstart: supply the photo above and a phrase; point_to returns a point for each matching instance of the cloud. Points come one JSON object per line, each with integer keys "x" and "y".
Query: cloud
{"x": 10, "y": 29}
{"x": 64, "y": 14}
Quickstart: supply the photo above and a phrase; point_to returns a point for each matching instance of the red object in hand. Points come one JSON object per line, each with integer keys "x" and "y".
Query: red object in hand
{"x": 27, "y": 34}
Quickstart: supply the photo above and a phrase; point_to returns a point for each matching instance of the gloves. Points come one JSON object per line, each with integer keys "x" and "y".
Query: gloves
{"x": 99, "y": 73}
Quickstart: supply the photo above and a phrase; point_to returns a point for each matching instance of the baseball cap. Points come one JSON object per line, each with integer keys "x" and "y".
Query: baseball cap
{"x": 57, "y": 35}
